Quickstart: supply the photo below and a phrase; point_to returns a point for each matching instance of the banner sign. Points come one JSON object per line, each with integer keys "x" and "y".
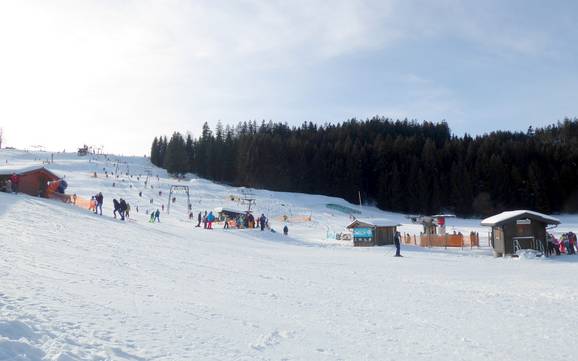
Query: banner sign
{"x": 362, "y": 233}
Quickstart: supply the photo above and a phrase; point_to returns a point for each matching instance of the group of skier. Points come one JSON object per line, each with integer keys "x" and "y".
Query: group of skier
{"x": 11, "y": 185}
{"x": 122, "y": 208}
{"x": 207, "y": 218}
{"x": 95, "y": 203}
{"x": 566, "y": 244}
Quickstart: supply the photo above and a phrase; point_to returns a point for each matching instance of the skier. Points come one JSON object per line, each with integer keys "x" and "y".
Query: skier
{"x": 226, "y": 225}
{"x": 152, "y": 218}
{"x": 99, "y": 200}
{"x": 285, "y": 230}
{"x": 158, "y": 215}
{"x": 200, "y": 219}
{"x": 205, "y": 220}
{"x": 128, "y": 210}
{"x": 262, "y": 221}
{"x": 116, "y": 206}
{"x": 396, "y": 240}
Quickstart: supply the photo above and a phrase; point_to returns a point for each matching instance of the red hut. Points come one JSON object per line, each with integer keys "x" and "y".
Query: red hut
{"x": 33, "y": 180}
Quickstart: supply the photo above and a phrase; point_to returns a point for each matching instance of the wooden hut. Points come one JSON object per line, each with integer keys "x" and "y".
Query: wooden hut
{"x": 516, "y": 230}
{"x": 33, "y": 180}
{"x": 372, "y": 232}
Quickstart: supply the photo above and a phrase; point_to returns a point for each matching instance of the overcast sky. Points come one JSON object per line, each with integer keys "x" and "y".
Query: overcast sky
{"x": 117, "y": 73}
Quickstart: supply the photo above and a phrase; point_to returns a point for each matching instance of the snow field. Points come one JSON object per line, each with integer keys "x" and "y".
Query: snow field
{"x": 76, "y": 286}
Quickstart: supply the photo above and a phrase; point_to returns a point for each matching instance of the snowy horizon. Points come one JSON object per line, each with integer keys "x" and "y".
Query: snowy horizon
{"x": 72, "y": 71}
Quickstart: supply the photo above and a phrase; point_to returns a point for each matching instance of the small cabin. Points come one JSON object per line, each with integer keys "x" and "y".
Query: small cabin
{"x": 517, "y": 230}
{"x": 372, "y": 232}
{"x": 33, "y": 180}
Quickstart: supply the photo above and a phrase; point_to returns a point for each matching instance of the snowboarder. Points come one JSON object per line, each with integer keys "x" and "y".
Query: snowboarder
{"x": 397, "y": 240}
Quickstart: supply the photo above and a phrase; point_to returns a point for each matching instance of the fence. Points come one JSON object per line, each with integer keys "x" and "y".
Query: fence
{"x": 447, "y": 240}
{"x": 67, "y": 198}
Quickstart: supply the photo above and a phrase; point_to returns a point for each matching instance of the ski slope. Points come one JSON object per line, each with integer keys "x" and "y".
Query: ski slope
{"x": 77, "y": 286}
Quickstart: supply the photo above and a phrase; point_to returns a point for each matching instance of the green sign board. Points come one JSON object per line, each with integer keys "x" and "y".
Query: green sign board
{"x": 362, "y": 233}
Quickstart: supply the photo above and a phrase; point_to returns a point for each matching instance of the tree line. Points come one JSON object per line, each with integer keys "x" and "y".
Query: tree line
{"x": 405, "y": 166}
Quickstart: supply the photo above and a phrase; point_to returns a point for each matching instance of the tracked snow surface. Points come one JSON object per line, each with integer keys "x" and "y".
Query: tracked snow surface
{"x": 77, "y": 286}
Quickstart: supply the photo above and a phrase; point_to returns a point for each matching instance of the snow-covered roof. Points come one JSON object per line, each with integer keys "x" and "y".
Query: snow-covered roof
{"x": 228, "y": 210}
{"x": 24, "y": 170}
{"x": 377, "y": 222}
{"x": 510, "y": 215}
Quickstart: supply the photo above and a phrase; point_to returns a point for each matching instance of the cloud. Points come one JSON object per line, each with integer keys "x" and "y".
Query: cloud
{"x": 135, "y": 69}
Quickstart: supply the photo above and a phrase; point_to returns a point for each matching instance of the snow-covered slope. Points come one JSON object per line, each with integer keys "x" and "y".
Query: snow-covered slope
{"x": 76, "y": 286}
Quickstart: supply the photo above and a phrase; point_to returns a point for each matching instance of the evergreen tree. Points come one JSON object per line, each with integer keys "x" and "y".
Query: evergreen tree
{"x": 155, "y": 152}
{"x": 402, "y": 165}
{"x": 176, "y": 160}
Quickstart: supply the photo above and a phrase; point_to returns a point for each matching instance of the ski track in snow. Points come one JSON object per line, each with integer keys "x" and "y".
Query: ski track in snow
{"x": 77, "y": 286}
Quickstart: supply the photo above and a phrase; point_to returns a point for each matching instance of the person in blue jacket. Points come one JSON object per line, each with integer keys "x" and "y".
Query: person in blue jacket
{"x": 210, "y": 220}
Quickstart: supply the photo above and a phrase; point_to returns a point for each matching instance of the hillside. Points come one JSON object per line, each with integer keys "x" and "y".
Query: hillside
{"x": 77, "y": 286}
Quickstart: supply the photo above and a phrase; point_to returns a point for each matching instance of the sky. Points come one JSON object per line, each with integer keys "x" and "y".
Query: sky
{"x": 117, "y": 73}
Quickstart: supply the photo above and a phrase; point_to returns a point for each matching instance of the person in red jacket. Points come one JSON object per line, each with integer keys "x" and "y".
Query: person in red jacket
{"x": 15, "y": 179}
